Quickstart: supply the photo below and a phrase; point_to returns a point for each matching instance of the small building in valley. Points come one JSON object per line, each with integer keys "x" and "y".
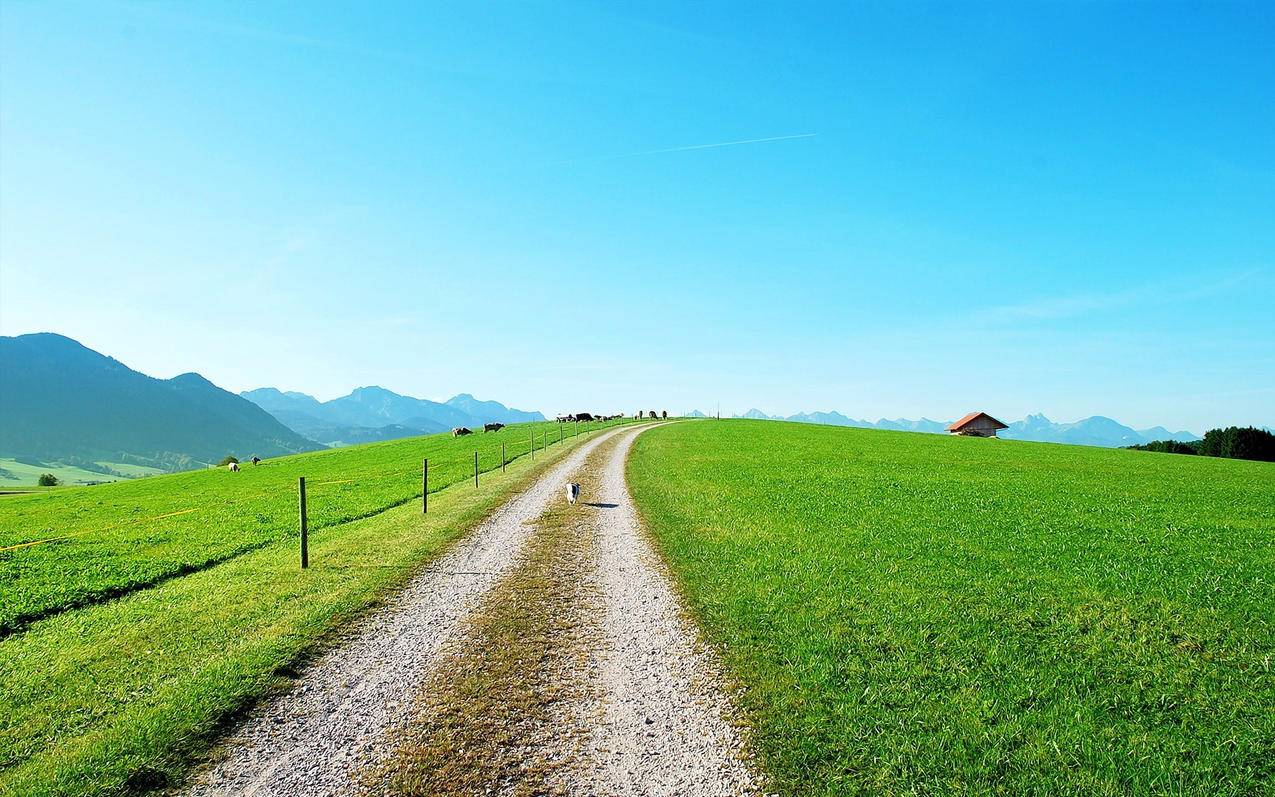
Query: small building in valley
{"x": 977, "y": 424}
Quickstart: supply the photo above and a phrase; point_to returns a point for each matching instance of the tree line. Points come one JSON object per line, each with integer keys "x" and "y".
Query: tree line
{"x": 1233, "y": 442}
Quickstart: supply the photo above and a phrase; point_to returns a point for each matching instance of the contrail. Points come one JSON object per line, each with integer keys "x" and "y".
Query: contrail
{"x": 687, "y": 149}
{"x": 715, "y": 146}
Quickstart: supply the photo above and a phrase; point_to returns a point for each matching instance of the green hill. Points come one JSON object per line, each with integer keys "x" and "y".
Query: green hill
{"x": 64, "y": 403}
{"x": 915, "y": 614}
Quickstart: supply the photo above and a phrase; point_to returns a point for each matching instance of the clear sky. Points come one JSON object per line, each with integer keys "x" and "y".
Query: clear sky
{"x": 1067, "y": 208}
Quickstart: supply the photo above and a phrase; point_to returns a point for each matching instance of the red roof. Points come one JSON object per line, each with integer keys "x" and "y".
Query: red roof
{"x": 956, "y": 427}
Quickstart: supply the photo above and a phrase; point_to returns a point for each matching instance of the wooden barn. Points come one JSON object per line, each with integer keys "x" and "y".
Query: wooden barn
{"x": 977, "y": 424}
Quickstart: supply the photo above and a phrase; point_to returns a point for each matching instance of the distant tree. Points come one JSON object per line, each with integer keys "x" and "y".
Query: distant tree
{"x": 48, "y": 480}
{"x": 1235, "y": 442}
{"x": 1166, "y": 447}
{"x": 226, "y": 460}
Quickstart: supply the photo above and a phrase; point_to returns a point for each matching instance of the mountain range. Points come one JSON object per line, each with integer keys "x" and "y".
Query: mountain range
{"x": 63, "y": 402}
{"x": 1093, "y": 431}
{"x": 373, "y": 413}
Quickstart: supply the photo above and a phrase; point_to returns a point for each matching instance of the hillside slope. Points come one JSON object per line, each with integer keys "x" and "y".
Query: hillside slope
{"x": 61, "y": 401}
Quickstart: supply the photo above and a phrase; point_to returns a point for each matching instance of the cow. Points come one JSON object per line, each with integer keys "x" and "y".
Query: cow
{"x": 492, "y": 427}
{"x": 640, "y": 414}
{"x": 460, "y": 431}
{"x": 584, "y": 416}
{"x": 233, "y": 467}
{"x": 565, "y": 419}
{"x": 664, "y": 414}
{"x": 654, "y": 415}
{"x": 573, "y": 492}
{"x": 256, "y": 460}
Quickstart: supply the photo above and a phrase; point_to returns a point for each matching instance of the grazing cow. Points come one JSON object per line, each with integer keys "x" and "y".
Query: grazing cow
{"x": 460, "y": 431}
{"x": 256, "y": 460}
{"x": 664, "y": 414}
{"x": 573, "y": 492}
{"x": 654, "y": 415}
{"x": 492, "y": 427}
{"x": 584, "y": 416}
{"x": 233, "y": 467}
{"x": 640, "y": 414}
{"x": 564, "y": 418}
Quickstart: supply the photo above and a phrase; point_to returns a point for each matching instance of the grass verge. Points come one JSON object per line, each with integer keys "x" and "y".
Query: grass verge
{"x": 915, "y": 614}
{"x": 121, "y": 697}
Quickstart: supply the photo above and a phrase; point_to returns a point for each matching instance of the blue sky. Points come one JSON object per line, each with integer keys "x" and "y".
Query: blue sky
{"x": 1063, "y": 207}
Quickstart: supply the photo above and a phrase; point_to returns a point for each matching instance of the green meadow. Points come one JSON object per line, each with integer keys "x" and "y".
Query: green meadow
{"x": 913, "y": 614}
{"x": 108, "y": 540}
{"x": 121, "y": 695}
{"x": 22, "y": 474}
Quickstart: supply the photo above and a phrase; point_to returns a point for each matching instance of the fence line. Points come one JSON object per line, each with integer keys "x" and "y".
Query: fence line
{"x": 424, "y": 493}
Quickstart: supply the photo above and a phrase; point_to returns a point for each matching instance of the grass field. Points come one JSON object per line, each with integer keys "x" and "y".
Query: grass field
{"x": 111, "y": 539}
{"x": 916, "y": 614}
{"x": 20, "y": 474}
{"x": 121, "y": 695}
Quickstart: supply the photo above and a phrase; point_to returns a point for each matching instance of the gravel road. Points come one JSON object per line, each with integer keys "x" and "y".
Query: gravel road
{"x": 654, "y": 718}
{"x": 314, "y": 739}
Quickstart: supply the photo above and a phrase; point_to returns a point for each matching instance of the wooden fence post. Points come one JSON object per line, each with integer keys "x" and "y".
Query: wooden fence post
{"x": 502, "y": 457}
{"x": 305, "y": 541}
{"x": 425, "y": 487}
{"x": 475, "y": 469}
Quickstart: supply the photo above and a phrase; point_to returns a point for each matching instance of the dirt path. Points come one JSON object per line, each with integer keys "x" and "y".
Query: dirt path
{"x": 560, "y": 662}
{"x": 315, "y": 739}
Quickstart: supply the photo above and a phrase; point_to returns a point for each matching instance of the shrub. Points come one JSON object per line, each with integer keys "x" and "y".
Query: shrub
{"x": 226, "y": 460}
{"x": 48, "y": 480}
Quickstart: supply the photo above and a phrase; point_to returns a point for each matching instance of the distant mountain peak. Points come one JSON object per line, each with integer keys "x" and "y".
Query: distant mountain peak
{"x": 374, "y": 412}
{"x": 73, "y": 402}
{"x": 191, "y": 378}
{"x": 1096, "y": 430}
{"x": 51, "y": 338}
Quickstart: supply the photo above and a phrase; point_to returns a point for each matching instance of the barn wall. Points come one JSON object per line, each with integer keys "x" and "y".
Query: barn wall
{"x": 981, "y": 427}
